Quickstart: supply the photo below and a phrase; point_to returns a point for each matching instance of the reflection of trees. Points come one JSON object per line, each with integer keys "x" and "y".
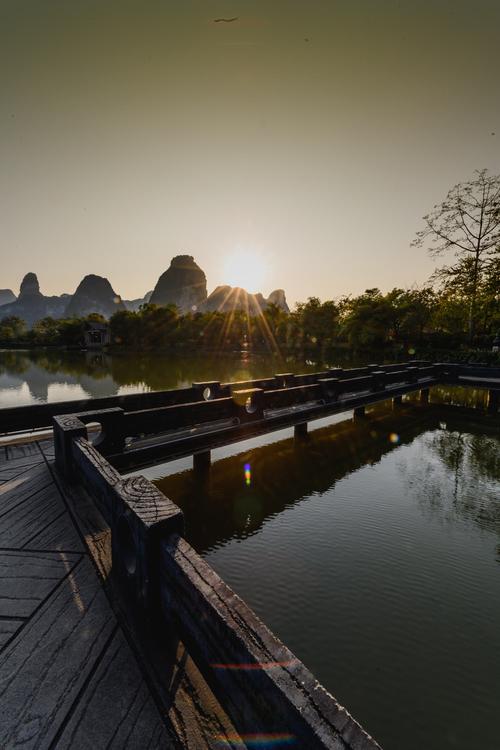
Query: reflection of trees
{"x": 471, "y": 462}
{"x": 158, "y": 370}
{"x": 460, "y": 396}
{"x": 479, "y": 455}
{"x": 41, "y": 369}
{"x": 485, "y": 456}
{"x": 14, "y": 362}
{"x": 101, "y": 374}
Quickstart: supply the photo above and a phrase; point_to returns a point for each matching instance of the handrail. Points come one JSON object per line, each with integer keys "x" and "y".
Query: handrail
{"x": 135, "y": 438}
{"x": 39, "y": 416}
{"x": 261, "y": 685}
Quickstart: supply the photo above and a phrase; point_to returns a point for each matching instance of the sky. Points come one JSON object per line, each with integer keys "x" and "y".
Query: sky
{"x": 297, "y": 147}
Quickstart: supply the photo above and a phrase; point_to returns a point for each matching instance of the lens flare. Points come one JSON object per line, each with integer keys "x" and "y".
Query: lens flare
{"x": 265, "y": 739}
{"x": 253, "y": 665}
{"x": 394, "y": 438}
{"x": 248, "y": 474}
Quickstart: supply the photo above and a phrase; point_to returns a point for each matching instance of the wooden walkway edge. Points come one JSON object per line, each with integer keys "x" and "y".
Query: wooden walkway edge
{"x": 68, "y": 678}
{"x": 75, "y": 670}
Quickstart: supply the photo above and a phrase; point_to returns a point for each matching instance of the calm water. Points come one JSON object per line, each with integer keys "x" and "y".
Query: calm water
{"x": 28, "y": 377}
{"x": 373, "y": 552}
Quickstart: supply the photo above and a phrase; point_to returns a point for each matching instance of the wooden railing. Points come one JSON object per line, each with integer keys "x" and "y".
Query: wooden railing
{"x": 263, "y": 687}
{"x": 37, "y": 416}
{"x": 171, "y": 424}
{"x": 227, "y": 412}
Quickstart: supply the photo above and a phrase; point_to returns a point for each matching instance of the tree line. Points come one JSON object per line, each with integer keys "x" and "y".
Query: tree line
{"x": 407, "y": 318}
{"x": 459, "y": 307}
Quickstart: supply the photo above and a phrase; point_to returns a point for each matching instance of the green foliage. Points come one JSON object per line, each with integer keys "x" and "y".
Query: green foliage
{"x": 317, "y": 322}
{"x": 404, "y": 320}
{"x": 12, "y": 329}
{"x": 467, "y": 225}
{"x": 367, "y": 320}
{"x": 67, "y": 332}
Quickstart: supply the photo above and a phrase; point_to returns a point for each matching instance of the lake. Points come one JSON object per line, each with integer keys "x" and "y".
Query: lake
{"x": 371, "y": 549}
{"x": 30, "y": 376}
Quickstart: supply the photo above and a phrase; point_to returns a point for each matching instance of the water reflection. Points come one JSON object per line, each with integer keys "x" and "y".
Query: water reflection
{"x": 471, "y": 460}
{"x": 375, "y": 561}
{"x": 55, "y": 375}
{"x": 243, "y": 491}
{"x": 460, "y": 396}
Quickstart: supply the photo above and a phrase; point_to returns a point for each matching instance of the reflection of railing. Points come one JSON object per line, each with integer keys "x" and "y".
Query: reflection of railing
{"x": 261, "y": 685}
{"x": 263, "y": 688}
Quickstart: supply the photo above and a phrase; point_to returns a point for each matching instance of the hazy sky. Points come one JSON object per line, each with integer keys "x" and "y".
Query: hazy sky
{"x": 135, "y": 130}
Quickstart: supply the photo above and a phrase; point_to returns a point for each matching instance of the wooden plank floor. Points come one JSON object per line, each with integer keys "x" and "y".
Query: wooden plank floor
{"x": 68, "y": 677}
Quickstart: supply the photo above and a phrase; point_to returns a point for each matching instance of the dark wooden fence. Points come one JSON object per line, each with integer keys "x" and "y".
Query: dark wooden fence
{"x": 37, "y": 416}
{"x": 259, "y": 682}
{"x": 265, "y": 690}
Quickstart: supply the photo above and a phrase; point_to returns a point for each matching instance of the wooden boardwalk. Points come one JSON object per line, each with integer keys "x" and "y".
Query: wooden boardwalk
{"x": 68, "y": 677}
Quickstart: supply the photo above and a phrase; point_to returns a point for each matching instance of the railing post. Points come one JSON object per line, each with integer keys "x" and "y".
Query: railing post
{"x": 201, "y": 462}
{"x": 424, "y": 395}
{"x": 142, "y": 517}
{"x": 300, "y": 431}
{"x": 336, "y": 372}
{"x": 67, "y": 427}
{"x": 112, "y": 438}
{"x": 379, "y": 378}
{"x": 412, "y": 373}
{"x": 139, "y": 516}
{"x": 208, "y": 390}
{"x": 329, "y": 389}
{"x": 249, "y": 404}
{"x": 284, "y": 379}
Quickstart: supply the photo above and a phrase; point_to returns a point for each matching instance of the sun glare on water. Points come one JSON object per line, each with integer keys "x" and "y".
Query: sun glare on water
{"x": 246, "y": 269}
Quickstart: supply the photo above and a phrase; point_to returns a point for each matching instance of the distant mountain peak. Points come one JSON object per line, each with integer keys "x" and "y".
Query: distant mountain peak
{"x": 226, "y": 298}
{"x": 32, "y": 305}
{"x": 29, "y": 286}
{"x": 278, "y": 298}
{"x": 183, "y": 284}
{"x": 94, "y": 294}
{"x": 7, "y": 296}
{"x": 184, "y": 261}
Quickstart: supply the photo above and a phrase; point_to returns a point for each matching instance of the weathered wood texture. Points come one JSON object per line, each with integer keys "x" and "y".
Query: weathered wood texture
{"x": 67, "y": 675}
{"x": 195, "y": 713}
{"x": 137, "y": 512}
{"x": 194, "y": 398}
{"x": 265, "y": 688}
{"x": 27, "y": 579}
{"x": 115, "y": 714}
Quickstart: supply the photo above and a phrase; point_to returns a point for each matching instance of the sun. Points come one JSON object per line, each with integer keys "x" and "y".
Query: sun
{"x": 247, "y": 269}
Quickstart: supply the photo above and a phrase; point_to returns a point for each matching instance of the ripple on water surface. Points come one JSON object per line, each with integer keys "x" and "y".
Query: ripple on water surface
{"x": 377, "y": 564}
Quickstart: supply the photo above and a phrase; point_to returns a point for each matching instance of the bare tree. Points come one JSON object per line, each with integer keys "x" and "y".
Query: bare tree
{"x": 467, "y": 223}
